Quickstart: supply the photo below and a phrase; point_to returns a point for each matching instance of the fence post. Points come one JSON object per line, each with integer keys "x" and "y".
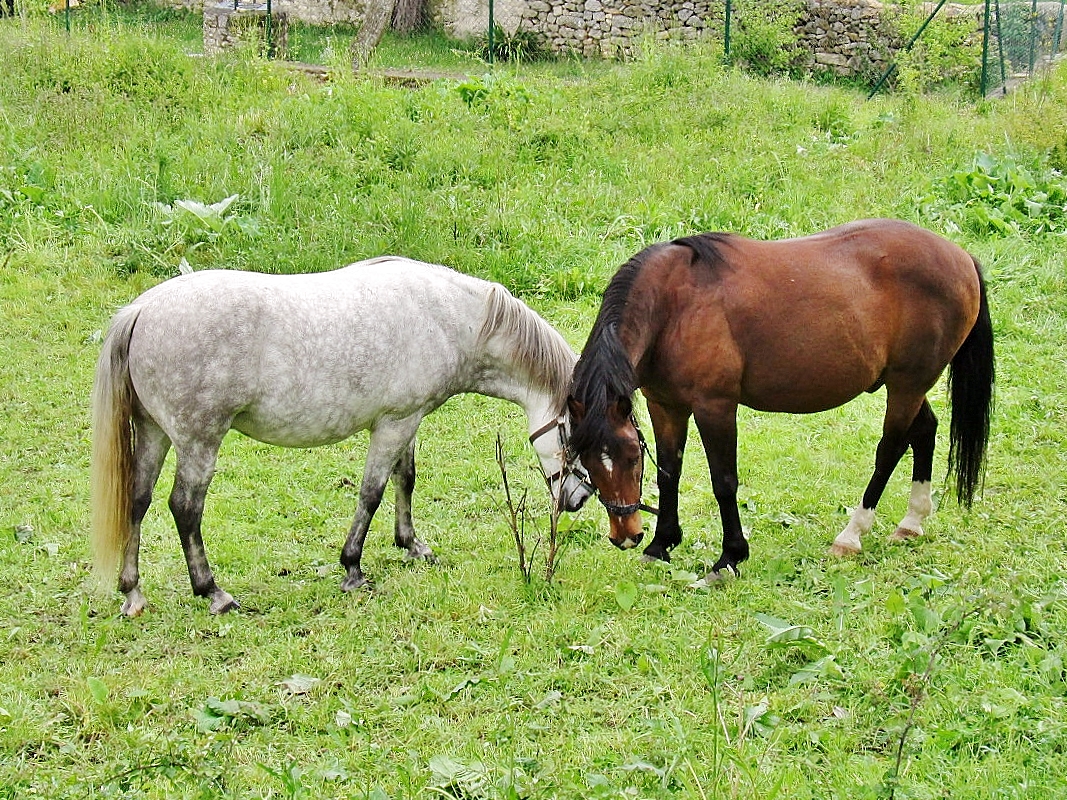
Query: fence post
{"x": 1000, "y": 52}
{"x": 1033, "y": 37}
{"x": 1059, "y": 30}
{"x": 892, "y": 67}
{"x": 726, "y": 33}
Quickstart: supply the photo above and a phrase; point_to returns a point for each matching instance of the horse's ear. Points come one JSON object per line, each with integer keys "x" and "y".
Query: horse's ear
{"x": 621, "y": 410}
{"x": 576, "y": 409}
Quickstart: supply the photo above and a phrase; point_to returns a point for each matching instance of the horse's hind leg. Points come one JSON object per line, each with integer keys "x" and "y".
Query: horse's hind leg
{"x": 196, "y": 467}
{"x": 388, "y": 442}
{"x": 921, "y": 436}
{"x": 404, "y": 483}
{"x": 900, "y": 416}
{"x": 149, "y": 452}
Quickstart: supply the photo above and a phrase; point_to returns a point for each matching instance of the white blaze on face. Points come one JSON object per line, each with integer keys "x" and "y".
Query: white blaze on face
{"x": 609, "y": 465}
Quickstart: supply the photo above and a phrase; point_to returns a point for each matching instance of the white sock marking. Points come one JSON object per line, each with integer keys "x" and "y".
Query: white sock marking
{"x": 920, "y": 505}
{"x": 860, "y": 523}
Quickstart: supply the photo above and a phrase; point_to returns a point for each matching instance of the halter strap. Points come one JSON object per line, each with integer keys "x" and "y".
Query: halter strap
{"x": 556, "y": 423}
{"x": 559, "y": 425}
{"x": 632, "y": 508}
{"x": 628, "y": 509}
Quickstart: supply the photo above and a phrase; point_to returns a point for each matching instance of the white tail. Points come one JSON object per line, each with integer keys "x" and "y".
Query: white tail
{"x": 111, "y": 474}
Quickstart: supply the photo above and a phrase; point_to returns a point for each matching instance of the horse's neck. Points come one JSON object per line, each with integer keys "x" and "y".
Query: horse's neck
{"x": 639, "y": 327}
{"x": 504, "y": 380}
{"x": 523, "y": 360}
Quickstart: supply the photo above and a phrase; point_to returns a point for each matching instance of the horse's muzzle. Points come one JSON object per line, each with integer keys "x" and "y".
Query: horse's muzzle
{"x": 629, "y": 542}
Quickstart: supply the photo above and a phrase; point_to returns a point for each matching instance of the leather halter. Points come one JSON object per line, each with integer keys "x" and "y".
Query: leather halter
{"x": 632, "y": 508}
{"x": 559, "y": 425}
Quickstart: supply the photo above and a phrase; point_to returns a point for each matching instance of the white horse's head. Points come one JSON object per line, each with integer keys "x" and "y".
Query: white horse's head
{"x": 567, "y": 479}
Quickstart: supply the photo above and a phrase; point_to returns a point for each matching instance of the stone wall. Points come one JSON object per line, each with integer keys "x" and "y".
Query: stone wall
{"x": 847, "y": 37}
{"x": 314, "y": 12}
{"x": 227, "y": 24}
{"x": 614, "y": 28}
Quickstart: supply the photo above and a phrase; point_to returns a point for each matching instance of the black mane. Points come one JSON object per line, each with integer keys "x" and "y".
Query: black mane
{"x": 604, "y": 374}
{"x": 705, "y": 247}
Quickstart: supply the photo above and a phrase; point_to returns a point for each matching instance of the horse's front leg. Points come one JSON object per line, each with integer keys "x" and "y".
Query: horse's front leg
{"x": 404, "y": 483}
{"x": 388, "y": 442}
{"x": 670, "y": 427}
{"x": 196, "y": 466}
{"x": 717, "y": 424}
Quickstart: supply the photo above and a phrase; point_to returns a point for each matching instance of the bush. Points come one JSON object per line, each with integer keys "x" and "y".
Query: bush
{"x": 947, "y": 53}
{"x": 764, "y": 41}
{"x": 518, "y": 47}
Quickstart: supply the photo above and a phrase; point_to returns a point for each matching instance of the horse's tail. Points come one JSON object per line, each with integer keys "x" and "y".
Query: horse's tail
{"x": 111, "y": 473}
{"x": 970, "y": 385}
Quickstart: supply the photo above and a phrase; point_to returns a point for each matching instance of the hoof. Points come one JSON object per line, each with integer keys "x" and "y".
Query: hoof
{"x": 656, "y": 554}
{"x": 135, "y": 603}
{"x": 353, "y": 583}
{"x": 421, "y": 553}
{"x": 843, "y": 551}
{"x": 223, "y": 603}
{"x": 715, "y": 578}
{"x": 904, "y": 535}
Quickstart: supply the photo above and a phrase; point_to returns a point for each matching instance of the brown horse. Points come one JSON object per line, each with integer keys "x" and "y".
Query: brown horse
{"x": 709, "y": 322}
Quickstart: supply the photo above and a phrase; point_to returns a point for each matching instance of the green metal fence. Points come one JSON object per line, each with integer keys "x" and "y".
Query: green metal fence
{"x": 1019, "y": 38}
{"x": 1022, "y": 37}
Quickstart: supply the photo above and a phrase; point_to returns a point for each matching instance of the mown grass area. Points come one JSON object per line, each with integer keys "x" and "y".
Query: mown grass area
{"x": 924, "y": 670}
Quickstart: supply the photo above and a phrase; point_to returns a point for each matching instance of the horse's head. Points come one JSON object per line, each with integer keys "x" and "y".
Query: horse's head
{"x": 567, "y": 479}
{"x": 614, "y": 459}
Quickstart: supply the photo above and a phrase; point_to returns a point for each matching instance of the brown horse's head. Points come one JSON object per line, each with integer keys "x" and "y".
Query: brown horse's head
{"x": 614, "y": 459}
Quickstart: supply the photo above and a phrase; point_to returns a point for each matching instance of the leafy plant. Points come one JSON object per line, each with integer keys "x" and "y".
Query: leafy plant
{"x": 948, "y": 52}
{"x": 765, "y": 42}
{"x": 1002, "y": 196}
{"x": 202, "y": 224}
{"x": 517, "y": 47}
{"x": 217, "y": 714}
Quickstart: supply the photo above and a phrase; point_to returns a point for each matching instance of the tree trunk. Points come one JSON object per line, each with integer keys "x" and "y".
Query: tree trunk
{"x": 375, "y": 21}
{"x": 409, "y": 15}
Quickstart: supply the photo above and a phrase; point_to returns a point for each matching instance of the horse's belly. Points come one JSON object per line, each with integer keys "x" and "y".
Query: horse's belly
{"x": 295, "y": 433}
{"x": 819, "y": 389}
{"x": 308, "y": 418}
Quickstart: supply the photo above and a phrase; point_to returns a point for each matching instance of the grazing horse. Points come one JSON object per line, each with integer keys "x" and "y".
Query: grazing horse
{"x": 303, "y": 361}
{"x": 705, "y": 323}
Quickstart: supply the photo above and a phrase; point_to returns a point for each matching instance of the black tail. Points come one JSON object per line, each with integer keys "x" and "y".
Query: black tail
{"x": 970, "y": 385}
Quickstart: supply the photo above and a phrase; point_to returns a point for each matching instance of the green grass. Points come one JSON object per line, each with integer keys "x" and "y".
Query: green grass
{"x": 457, "y": 679}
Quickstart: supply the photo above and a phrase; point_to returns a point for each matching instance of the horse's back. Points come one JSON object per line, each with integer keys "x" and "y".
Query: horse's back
{"x": 302, "y": 360}
{"x": 805, "y": 324}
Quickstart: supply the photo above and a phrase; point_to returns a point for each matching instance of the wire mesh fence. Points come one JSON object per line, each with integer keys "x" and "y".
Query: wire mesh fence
{"x": 988, "y": 47}
{"x": 1021, "y": 39}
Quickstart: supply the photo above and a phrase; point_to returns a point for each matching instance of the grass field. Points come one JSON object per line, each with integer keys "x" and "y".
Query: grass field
{"x": 927, "y": 670}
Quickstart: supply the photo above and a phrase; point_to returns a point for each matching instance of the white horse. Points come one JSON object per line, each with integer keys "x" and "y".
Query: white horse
{"x": 302, "y": 361}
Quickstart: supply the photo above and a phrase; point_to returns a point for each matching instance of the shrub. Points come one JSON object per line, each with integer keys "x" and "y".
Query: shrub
{"x": 764, "y": 41}
{"x": 517, "y": 47}
{"x": 948, "y": 52}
